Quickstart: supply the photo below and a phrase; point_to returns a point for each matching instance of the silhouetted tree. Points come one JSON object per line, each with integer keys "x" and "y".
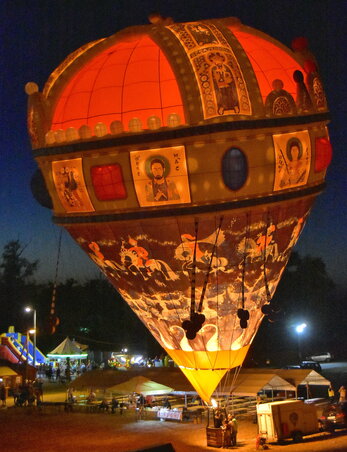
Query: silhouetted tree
{"x": 94, "y": 313}
{"x": 305, "y": 293}
{"x": 16, "y": 284}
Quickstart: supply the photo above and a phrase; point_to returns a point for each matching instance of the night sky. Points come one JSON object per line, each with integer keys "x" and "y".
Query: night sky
{"x": 37, "y": 36}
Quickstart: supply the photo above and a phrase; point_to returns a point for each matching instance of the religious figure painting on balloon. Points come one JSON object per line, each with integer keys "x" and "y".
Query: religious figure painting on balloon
{"x": 293, "y": 158}
{"x": 160, "y": 176}
{"x": 70, "y": 185}
{"x": 218, "y": 75}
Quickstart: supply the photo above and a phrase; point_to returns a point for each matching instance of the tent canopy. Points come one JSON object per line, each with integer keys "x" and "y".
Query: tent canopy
{"x": 67, "y": 349}
{"x": 106, "y": 378}
{"x": 250, "y": 384}
{"x": 257, "y": 380}
{"x": 83, "y": 347}
{"x": 296, "y": 377}
{"x": 303, "y": 377}
{"x": 6, "y": 371}
{"x": 140, "y": 385}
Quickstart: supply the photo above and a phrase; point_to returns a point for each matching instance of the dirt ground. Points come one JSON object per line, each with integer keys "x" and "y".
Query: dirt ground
{"x": 28, "y": 430}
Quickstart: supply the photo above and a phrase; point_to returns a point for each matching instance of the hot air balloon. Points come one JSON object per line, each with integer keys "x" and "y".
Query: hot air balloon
{"x": 184, "y": 159}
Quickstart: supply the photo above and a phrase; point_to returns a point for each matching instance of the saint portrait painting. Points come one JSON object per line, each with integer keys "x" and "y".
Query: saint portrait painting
{"x": 70, "y": 185}
{"x": 293, "y": 157}
{"x": 160, "y": 176}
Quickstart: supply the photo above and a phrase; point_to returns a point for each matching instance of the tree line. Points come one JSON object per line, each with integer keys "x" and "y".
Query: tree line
{"x": 93, "y": 312}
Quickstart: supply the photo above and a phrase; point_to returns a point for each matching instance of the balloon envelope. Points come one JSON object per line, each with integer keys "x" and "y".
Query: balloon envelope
{"x": 151, "y": 263}
{"x": 184, "y": 159}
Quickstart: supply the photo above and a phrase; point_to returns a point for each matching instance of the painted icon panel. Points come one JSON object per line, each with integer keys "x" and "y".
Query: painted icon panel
{"x": 70, "y": 185}
{"x": 160, "y": 176}
{"x": 218, "y": 74}
{"x": 293, "y": 159}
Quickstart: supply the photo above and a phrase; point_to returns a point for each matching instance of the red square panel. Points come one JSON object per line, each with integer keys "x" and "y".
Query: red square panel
{"x": 323, "y": 154}
{"x": 108, "y": 182}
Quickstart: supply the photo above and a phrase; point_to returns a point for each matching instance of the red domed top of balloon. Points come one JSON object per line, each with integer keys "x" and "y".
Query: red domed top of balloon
{"x": 141, "y": 73}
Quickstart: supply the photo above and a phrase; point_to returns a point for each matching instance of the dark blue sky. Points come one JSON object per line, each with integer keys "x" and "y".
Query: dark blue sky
{"x": 37, "y": 35}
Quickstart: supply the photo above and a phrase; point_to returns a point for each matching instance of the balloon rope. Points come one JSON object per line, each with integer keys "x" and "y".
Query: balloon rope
{"x": 209, "y": 266}
{"x": 244, "y": 262}
{"x": 225, "y": 381}
{"x": 268, "y": 295}
{"x": 193, "y": 280}
{"x": 217, "y": 310}
{"x": 52, "y": 311}
{"x": 236, "y": 374}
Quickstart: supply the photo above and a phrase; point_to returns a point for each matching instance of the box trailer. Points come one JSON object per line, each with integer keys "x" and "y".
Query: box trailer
{"x": 278, "y": 421}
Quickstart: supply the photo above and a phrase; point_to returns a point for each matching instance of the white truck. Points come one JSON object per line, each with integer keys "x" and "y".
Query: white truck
{"x": 286, "y": 419}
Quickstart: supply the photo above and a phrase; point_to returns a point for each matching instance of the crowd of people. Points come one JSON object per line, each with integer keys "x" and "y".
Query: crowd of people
{"x": 137, "y": 401}
{"x": 27, "y": 393}
{"x": 104, "y": 405}
{"x": 229, "y": 426}
{"x": 341, "y": 396}
{"x": 62, "y": 373}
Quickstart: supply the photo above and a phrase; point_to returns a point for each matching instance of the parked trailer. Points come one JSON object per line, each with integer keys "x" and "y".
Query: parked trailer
{"x": 286, "y": 419}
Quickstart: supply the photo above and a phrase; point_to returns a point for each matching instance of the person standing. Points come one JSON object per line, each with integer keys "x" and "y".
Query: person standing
{"x": 227, "y": 431}
{"x": 342, "y": 392}
{"x": 218, "y": 419}
{"x": 37, "y": 392}
{"x": 91, "y": 397}
{"x": 57, "y": 373}
{"x": 70, "y": 398}
{"x": 331, "y": 394}
{"x": 15, "y": 393}
{"x": 114, "y": 404}
{"x": 3, "y": 394}
{"x": 234, "y": 427}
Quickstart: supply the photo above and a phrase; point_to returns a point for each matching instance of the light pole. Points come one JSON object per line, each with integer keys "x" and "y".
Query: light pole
{"x": 299, "y": 330}
{"x": 29, "y": 309}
